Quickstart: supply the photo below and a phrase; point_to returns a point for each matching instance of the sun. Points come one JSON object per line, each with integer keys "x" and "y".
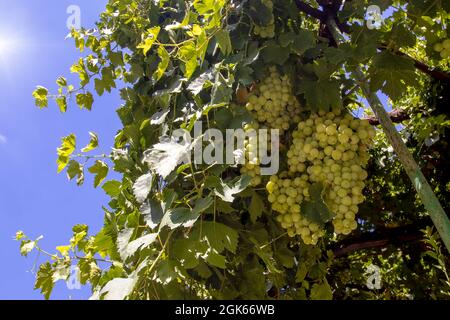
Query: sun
{"x": 8, "y": 46}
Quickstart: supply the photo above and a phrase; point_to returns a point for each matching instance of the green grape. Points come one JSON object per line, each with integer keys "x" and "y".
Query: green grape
{"x": 446, "y": 44}
{"x": 272, "y": 104}
{"x": 332, "y": 149}
{"x": 285, "y": 199}
{"x": 443, "y": 48}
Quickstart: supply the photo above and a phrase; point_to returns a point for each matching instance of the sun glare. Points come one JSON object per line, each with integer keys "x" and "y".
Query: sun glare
{"x": 8, "y": 46}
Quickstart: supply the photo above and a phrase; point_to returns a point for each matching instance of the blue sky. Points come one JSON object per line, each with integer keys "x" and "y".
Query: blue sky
{"x": 33, "y": 197}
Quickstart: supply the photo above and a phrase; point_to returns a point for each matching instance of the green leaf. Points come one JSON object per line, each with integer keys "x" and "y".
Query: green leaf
{"x": 62, "y": 82}
{"x": 85, "y": 100}
{"x": 44, "y": 280}
{"x": 224, "y": 42}
{"x": 178, "y": 217}
{"x": 260, "y": 13}
{"x": 116, "y": 289}
{"x": 41, "y": 97}
{"x": 302, "y": 271}
{"x": 152, "y": 212}
{"x": 202, "y": 204}
{"x": 93, "y": 143}
{"x": 256, "y": 207}
{"x": 218, "y": 236}
{"x": 213, "y": 258}
{"x": 273, "y": 53}
{"x": 66, "y": 149}
{"x": 188, "y": 252}
{"x": 74, "y": 169}
{"x": 392, "y": 74}
{"x": 401, "y": 36}
{"x": 128, "y": 248}
{"x": 316, "y": 210}
{"x": 227, "y": 191}
{"x": 147, "y": 43}
{"x": 321, "y": 291}
{"x": 163, "y": 64}
{"x": 164, "y": 157}
{"x": 64, "y": 250}
{"x": 188, "y": 54}
{"x": 112, "y": 188}
{"x": 142, "y": 187}
{"x": 26, "y": 247}
{"x": 100, "y": 169}
{"x": 62, "y": 103}
{"x": 302, "y": 41}
{"x": 316, "y": 100}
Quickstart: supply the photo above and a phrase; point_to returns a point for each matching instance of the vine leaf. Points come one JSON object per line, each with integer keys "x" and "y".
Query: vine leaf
{"x": 147, "y": 44}
{"x": 40, "y": 96}
{"x": 181, "y": 216}
{"x": 188, "y": 251}
{"x": 100, "y": 169}
{"x": 273, "y": 53}
{"x": 159, "y": 117}
{"x": 116, "y": 289}
{"x": 227, "y": 191}
{"x": 202, "y": 205}
{"x": 316, "y": 100}
{"x": 128, "y": 248}
{"x": 152, "y": 212}
{"x": 93, "y": 143}
{"x": 217, "y": 235}
{"x": 163, "y": 64}
{"x": 316, "y": 210}
{"x": 142, "y": 187}
{"x": 164, "y": 157}
{"x": 224, "y": 42}
{"x": 112, "y": 188}
{"x": 74, "y": 169}
{"x": 321, "y": 291}
{"x": 256, "y": 207}
{"x": 66, "y": 149}
{"x": 44, "y": 280}
{"x": 392, "y": 74}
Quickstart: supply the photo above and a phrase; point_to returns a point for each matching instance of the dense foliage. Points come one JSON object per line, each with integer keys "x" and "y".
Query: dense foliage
{"x": 341, "y": 202}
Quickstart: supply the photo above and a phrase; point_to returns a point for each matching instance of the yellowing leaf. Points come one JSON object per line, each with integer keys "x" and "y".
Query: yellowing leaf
{"x": 65, "y": 150}
{"x": 41, "y": 97}
{"x": 147, "y": 44}
{"x": 163, "y": 64}
{"x": 93, "y": 143}
{"x": 64, "y": 250}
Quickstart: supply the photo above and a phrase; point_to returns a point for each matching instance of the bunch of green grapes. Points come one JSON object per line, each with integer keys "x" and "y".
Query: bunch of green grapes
{"x": 252, "y": 164}
{"x": 267, "y": 31}
{"x": 273, "y": 103}
{"x": 443, "y": 48}
{"x": 331, "y": 148}
{"x": 286, "y": 194}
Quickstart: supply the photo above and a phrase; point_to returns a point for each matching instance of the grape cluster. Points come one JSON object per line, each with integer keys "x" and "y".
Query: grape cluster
{"x": 272, "y": 103}
{"x": 267, "y": 31}
{"x": 331, "y": 148}
{"x": 286, "y": 195}
{"x": 251, "y": 167}
{"x": 443, "y": 48}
